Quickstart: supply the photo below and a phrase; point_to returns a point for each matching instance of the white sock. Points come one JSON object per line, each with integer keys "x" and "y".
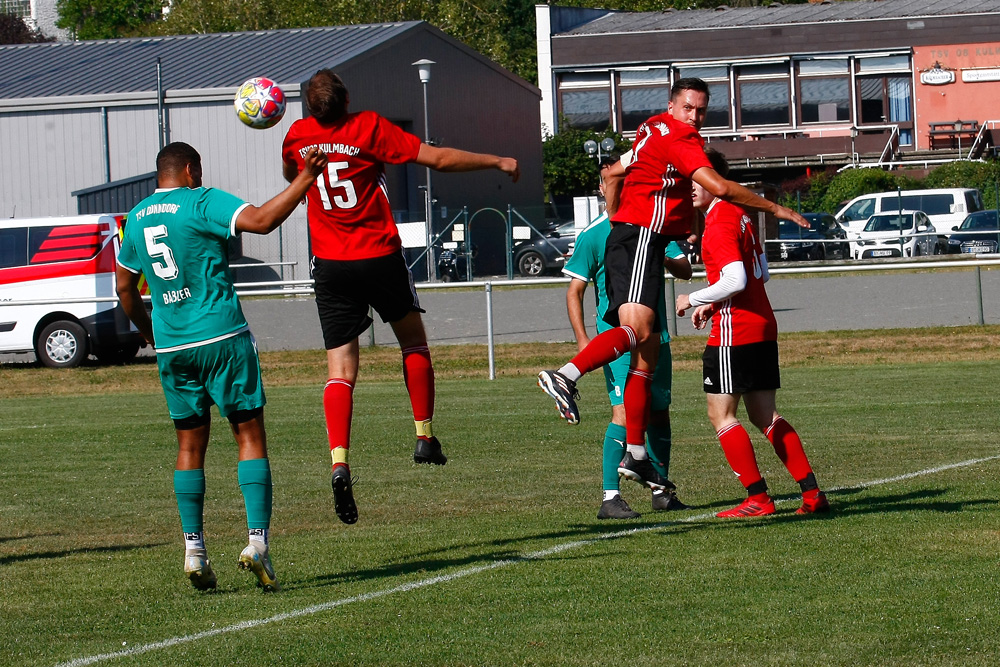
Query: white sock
{"x": 259, "y": 535}
{"x": 194, "y": 542}
{"x": 638, "y": 452}
{"x": 610, "y": 494}
{"x": 571, "y": 371}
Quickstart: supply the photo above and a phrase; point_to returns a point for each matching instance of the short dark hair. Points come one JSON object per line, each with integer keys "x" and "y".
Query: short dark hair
{"x": 718, "y": 161}
{"x": 326, "y": 96}
{"x": 689, "y": 83}
{"x": 175, "y": 156}
{"x": 608, "y": 160}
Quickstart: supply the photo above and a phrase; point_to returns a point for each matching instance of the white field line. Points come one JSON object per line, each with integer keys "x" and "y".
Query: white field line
{"x": 423, "y": 583}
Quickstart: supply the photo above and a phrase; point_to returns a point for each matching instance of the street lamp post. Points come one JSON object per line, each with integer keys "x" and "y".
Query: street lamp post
{"x": 424, "y": 70}
{"x": 591, "y": 147}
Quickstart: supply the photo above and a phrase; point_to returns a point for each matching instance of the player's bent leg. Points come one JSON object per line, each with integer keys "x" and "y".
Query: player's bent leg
{"x": 418, "y": 375}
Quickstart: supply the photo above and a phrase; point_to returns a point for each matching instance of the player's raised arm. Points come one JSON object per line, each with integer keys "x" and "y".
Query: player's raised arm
{"x": 267, "y": 217}
{"x": 735, "y": 193}
{"x": 453, "y": 159}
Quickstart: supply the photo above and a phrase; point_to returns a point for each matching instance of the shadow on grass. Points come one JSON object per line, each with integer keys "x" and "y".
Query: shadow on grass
{"x": 48, "y": 555}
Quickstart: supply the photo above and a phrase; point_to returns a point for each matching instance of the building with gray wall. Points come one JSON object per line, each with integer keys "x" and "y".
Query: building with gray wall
{"x": 74, "y": 115}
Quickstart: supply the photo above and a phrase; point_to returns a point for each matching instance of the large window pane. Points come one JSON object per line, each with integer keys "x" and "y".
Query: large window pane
{"x": 718, "y": 106}
{"x": 588, "y": 110}
{"x": 764, "y": 103}
{"x": 638, "y": 104}
{"x": 872, "y": 100}
{"x": 825, "y": 100}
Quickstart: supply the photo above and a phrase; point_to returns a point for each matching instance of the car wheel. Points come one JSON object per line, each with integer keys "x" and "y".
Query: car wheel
{"x": 531, "y": 264}
{"x": 62, "y": 344}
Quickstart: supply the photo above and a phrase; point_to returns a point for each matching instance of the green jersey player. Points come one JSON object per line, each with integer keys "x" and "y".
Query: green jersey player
{"x": 178, "y": 239}
{"x": 585, "y": 266}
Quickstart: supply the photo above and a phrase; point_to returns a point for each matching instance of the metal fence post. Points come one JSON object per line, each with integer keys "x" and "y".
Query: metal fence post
{"x": 671, "y": 310}
{"x": 979, "y": 294}
{"x": 489, "y": 330}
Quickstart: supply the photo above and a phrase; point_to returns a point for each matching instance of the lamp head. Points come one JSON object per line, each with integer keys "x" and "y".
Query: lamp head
{"x": 424, "y": 69}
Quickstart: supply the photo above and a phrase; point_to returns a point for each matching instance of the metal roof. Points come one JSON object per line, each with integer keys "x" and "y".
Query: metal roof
{"x": 220, "y": 60}
{"x": 838, "y": 11}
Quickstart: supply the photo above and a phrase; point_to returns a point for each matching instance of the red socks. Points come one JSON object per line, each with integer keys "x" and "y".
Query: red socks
{"x": 604, "y": 348}
{"x": 637, "y": 399}
{"x": 418, "y": 374}
{"x": 338, "y": 406}
{"x": 788, "y": 447}
{"x": 738, "y": 449}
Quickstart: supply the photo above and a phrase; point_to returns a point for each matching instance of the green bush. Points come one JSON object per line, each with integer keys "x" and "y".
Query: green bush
{"x": 965, "y": 174}
{"x": 566, "y": 168}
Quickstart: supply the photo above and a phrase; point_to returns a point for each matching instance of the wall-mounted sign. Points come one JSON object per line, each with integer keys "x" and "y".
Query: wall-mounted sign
{"x": 977, "y": 75}
{"x": 936, "y": 77}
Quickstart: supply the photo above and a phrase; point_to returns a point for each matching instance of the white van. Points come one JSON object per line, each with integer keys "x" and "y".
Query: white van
{"x": 946, "y": 207}
{"x": 54, "y": 259}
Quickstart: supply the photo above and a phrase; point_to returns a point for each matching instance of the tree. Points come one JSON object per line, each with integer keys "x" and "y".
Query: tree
{"x": 966, "y": 174}
{"x": 13, "y": 30}
{"x": 106, "y": 19}
{"x": 566, "y": 168}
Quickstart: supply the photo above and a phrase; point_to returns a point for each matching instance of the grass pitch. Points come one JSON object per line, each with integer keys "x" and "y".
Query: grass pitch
{"x": 497, "y": 558}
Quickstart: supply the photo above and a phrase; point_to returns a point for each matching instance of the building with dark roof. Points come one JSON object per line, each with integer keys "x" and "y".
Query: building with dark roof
{"x": 811, "y": 84}
{"x": 76, "y": 116}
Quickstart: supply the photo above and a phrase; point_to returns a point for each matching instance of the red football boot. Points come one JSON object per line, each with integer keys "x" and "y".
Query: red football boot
{"x": 817, "y": 504}
{"x": 758, "y": 505}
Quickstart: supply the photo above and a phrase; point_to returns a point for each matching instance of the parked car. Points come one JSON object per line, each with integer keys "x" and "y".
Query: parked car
{"x": 899, "y": 234}
{"x": 545, "y": 254}
{"x": 979, "y": 232}
{"x": 823, "y": 240}
{"x": 944, "y": 206}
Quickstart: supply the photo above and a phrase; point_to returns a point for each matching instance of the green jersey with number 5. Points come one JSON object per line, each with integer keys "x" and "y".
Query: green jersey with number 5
{"x": 179, "y": 239}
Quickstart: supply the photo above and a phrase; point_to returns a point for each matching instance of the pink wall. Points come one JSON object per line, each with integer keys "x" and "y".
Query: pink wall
{"x": 961, "y": 100}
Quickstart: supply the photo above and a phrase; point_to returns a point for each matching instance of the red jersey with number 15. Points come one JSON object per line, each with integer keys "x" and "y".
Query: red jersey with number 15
{"x": 730, "y": 237}
{"x": 349, "y": 213}
{"x": 657, "y": 189}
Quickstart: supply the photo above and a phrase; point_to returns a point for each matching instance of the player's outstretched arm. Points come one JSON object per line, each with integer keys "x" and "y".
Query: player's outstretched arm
{"x": 453, "y": 159}
{"x": 131, "y": 301}
{"x": 574, "y": 308}
{"x": 268, "y": 216}
{"x": 735, "y": 193}
{"x": 613, "y": 176}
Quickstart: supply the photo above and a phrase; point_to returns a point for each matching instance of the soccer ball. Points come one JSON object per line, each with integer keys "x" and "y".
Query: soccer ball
{"x": 260, "y": 103}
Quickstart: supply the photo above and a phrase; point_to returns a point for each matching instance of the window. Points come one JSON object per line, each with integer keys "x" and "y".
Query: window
{"x": 13, "y": 247}
{"x": 642, "y": 94}
{"x": 585, "y": 100}
{"x": 19, "y": 8}
{"x": 887, "y": 99}
{"x": 824, "y": 91}
{"x": 763, "y": 95}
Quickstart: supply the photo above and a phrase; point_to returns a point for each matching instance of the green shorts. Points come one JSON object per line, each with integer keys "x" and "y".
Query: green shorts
{"x": 226, "y": 373}
{"x": 616, "y": 372}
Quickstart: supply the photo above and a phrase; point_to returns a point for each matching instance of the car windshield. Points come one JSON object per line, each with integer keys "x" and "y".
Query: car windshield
{"x": 985, "y": 220}
{"x": 789, "y": 230}
{"x": 889, "y": 223}
{"x": 568, "y": 229}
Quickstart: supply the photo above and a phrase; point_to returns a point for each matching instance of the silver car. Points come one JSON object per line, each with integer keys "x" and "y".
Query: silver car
{"x": 896, "y": 234}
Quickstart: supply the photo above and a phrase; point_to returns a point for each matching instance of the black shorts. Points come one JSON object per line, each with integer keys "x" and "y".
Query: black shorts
{"x": 345, "y": 289}
{"x": 738, "y": 369}
{"x": 633, "y": 269}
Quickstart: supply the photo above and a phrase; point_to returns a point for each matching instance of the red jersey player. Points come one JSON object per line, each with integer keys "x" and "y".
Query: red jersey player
{"x": 358, "y": 261}
{"x": 741, "y": 358}
{"x": 648, "y": 192}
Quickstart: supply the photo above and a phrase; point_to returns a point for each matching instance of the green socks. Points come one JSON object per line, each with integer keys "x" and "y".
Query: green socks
{"x": 255, "y": 484}
{"x": 614, "y": 452}
{"x": 658, "y": 446}
{"x": 189, "y": 487}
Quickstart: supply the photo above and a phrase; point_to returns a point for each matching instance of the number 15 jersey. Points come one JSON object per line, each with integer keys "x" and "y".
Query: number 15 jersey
{"x": 349, "y": 213}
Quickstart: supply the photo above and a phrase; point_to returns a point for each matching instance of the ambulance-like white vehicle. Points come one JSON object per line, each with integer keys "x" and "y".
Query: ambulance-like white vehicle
{"x": 49, "y": 268}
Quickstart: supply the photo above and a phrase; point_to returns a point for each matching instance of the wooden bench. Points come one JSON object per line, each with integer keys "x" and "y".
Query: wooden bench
{"x": 952, "y": 132}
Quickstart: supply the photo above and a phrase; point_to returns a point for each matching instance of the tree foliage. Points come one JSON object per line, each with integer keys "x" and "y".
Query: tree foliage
{"x": 964, "y": 174}
{"x": 106, "y": 19}
{"x": 13, "y": 30}
{"x": 566, "y": 167}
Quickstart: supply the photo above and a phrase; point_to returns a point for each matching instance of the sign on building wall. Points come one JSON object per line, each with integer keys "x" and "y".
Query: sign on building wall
{"x": 978, "y": 75}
